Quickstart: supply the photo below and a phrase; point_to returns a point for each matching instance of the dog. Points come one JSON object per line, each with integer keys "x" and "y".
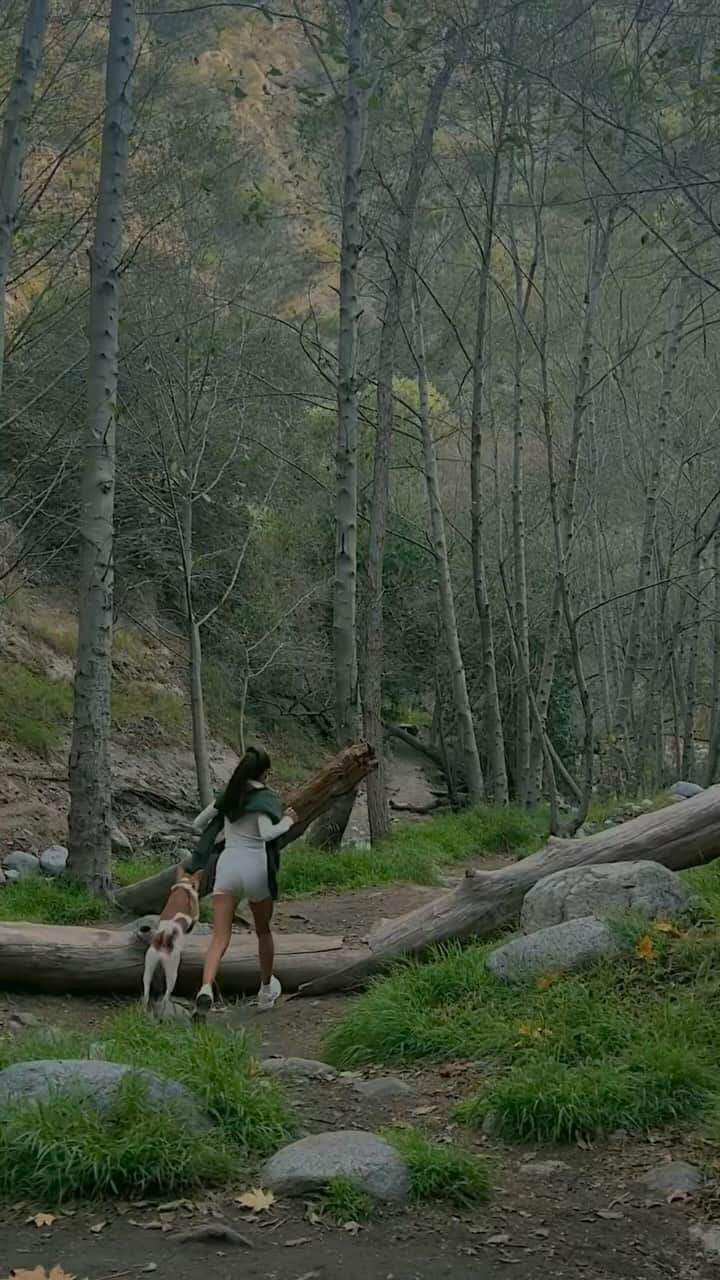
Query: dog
{"x": 178, "y": 918}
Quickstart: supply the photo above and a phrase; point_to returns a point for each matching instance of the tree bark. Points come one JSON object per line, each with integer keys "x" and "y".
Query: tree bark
{"x": 685, "y": 835}
{"x": 89, "y": 776}
{"x": 81, "y": 961}
{"x": 13, "y": 146}
{"x": 340, "y": 777}
{"x": 398, "y": 264}
{"x": 711, "y": 766}
{"x": 461, "y": 701}
{"x": 330, "y": 831}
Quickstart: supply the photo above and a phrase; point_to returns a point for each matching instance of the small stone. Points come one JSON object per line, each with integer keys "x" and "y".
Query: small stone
{"x": 173, "y": 1011}
{"x": 707, "y": 1237}
{"x": 305, "y": 1068}
{"x": 11, "y": 876}
{"x": 24, "y": 864}
{"x": 53, "y": 861}
{"x": 545, "y": 1168}
{"x": 685, "y": 790}
{"x": 24, "y": 1020}
{"x": 2, "y": 876}
{"x": 559, "y": 949}
{"x": 384, "y": 1089}
{"x": 119, "y": 841}
{"x": 489, "y": 1125}
{"x": 369, "y": 1162}
{"x": 675, "y": 1177}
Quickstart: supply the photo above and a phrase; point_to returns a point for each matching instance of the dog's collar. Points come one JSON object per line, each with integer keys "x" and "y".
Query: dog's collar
{"x": 186, "y": 888}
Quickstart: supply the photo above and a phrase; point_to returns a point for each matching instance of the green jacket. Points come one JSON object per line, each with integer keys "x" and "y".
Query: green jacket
{"x": 257, "y": 800}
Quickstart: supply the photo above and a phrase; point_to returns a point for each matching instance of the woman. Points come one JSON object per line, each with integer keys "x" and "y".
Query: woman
{"x": 251, "y": 820}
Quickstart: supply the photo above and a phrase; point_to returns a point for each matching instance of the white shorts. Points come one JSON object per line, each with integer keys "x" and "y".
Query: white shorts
{"x": 242, "y": 871}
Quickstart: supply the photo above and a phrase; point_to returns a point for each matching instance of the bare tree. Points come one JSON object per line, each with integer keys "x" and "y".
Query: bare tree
{"x": 90, "y": 796}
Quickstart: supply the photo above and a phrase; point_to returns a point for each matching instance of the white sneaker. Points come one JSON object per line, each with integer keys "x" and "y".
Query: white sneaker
{"x": 203, "y": 1002}
{"x": 268, "y": 994}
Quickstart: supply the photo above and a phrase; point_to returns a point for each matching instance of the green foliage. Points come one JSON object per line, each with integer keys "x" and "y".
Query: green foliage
{"x": 342, "y": 1202}
{"x": 137, "y": 703}
{"x": 632, "y": 1043}
{"x": 40, "y": 900}
{"x": 64, "y": 1149}
{"x": 129, "y": 868}
{"x": 34, "y": 710}
{"x": 439, "y": 1171}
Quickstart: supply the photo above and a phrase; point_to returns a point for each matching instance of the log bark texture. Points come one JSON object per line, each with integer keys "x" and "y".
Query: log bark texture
{"x": 342, "y": 775}
{"x": 60, "y": 959}
{"x": 685, "y": 835}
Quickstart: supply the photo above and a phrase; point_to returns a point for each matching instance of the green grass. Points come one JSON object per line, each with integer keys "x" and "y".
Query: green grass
{"x": 43, "y": 901}
{"x": 414, "y": 852}
{"x": 137, "y": 702}
{"x": 129, "y": 868}
{"x": 632, "y": 1043}
{"x": 439, "y": 1171}
{"x": 341, "y": 1201}
{"x": 63, "y": 1149}
{"x": 34, "y": 710}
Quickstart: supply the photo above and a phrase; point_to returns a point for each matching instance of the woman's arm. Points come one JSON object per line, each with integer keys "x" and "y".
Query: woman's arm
{"x": 269, "y": 830}
{"x": 204, "y": 818}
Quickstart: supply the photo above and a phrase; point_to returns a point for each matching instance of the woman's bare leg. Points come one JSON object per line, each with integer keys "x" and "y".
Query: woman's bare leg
{"x": 262, "y": 915}
{"x": 223, "y": 910}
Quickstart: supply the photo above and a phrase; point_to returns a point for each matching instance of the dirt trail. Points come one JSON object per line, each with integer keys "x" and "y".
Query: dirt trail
{"x": 587, "y": 1220}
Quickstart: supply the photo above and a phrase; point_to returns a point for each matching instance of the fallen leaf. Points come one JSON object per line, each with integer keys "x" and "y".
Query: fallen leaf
{"x": 531, "y": 1030}
{"x": 548, "y": 980}
{"x": 150, "y": 1266}
{"x": 258, "y": 1200}
{"x": 610, "y": 1215}
{"x": 97, "y": 1227}
{"x": 42, "y": 1219}
{"x": 295, "y": 1244}
{"x": 39, "y": 1273}
{"x": 645, "y": 949}
{"x": 352, "y": 1228}
{"x": 679, "y": 1197}
{"x": 313, "y": 1216}
{"x": 423, "y": 1111}
{"x": 665, "y": 926}
{"x": 498, "y": 1240}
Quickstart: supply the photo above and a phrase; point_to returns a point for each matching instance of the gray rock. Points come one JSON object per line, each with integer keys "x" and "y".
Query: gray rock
{"x": 53, "y": 861}
{"x": 119, "y": 841}
{"x": 384, "y": 1089}
{"x": 2, "y": 876}
{"x": 305, "y": 1068}
{"x": 545, "y": 1169}
{"x": 368, "y": 1161}
{"x": 647, "y": 805}
{"x": 707, "y": 1237}
{"x": 25, "y": 864}
{"x": 560, "y": 949}
{"x": 601, "y": 890}
{"x": 676, "y": 1177}
{"x": 173, "y": 1011}
{"x": 685, "y": 790}
{"x": 98, "y": 1081}
{"x": 11, "y": 876}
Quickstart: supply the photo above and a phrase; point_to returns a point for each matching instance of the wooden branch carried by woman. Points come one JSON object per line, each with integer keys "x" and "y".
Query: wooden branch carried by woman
{"x": 340, "y": 775}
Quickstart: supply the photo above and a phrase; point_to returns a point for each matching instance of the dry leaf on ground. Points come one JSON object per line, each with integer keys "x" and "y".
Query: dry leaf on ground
{"x": 39, "y": 1273}
{"x": 258, "y": 1200}
{"x": 645, "y": 949}
{"x": 42, "y": 1219}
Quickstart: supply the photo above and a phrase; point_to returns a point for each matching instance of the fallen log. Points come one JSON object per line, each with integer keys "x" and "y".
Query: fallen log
{"x": 686, "y": 835}
{"x": 64, "y": 959}
{"x": 340, "y": 775}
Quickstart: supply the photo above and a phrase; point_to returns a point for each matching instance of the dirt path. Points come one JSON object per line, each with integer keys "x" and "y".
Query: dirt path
{"x": 585, "y": 1219}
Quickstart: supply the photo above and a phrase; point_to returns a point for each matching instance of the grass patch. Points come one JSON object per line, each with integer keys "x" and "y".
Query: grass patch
{"x": 63, "y": 1149}
{"x": 137, "y": 702}
{"x": 633, "y": 1043}
{"x": 439, "y": 1171}
{"x": 34, "y": 710}
{"x": 414, "y": 852}
{"x": 132, "y": 867}
{"x": 40, "y": 900}
{"x": 342, "y": 1202}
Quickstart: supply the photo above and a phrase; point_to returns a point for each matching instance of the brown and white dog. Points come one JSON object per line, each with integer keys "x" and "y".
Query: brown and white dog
{"x": 178, "y": 917}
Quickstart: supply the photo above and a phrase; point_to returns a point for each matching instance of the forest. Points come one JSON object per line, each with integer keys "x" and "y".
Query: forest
{"x": 366, "y": 353}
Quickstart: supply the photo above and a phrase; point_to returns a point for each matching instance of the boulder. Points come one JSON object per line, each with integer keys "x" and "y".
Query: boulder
{"x": 370, "y": 1163}
{"x": 545, "y": 1169}
{"x": 97, "y": 1081}
{"x": 53, "y": 861}
{"x": 303, "y": 1068}
{"x": 685, "y": 790}
{"x": 675, "y": 1178}
{"x": 25, "y": 864}
{"x": 384, "y": 1089}
{"x": 560, "y": 949}
{"x": 601, "y": 890}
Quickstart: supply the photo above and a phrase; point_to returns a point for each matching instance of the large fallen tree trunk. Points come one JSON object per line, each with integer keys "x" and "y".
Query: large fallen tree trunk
{"x": 65, "y": 959}
{"x": 685, "y": 835}
{"x": 341, "y": 775}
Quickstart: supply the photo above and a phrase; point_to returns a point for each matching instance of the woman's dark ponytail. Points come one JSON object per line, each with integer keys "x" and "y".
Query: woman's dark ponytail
{"x": 254, "y": 765}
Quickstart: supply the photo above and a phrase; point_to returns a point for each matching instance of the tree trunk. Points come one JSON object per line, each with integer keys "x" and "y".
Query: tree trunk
{"x": 330, "y": 831}
{"x": 340, "y": 778}
{"x": 64, "y": 960}
{"x": 520, "y": 605}
{"x": 398, "y": 263}
{"x": 89, "y": 778}
{"x": 633, "y": 647}
{"x": 461, "y": 701}
{"x": 711, "y": 766}
{"x": 199, "y": 724}
{"x": 685, "y": 835}
{"x": 13, "y": 146}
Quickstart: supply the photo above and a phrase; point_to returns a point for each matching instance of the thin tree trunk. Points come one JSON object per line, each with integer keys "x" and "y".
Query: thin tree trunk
{"x": 633, "y": 648}
{"x": 13, "y": 146}
{"x": 461, "y": 701}
{"x": 711, "y": 766}
{"x": 520, "y": 605}
{"x": 197, "y": 702}
{"x": 89, "y": 776}
{"x": 398, "y": 263}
